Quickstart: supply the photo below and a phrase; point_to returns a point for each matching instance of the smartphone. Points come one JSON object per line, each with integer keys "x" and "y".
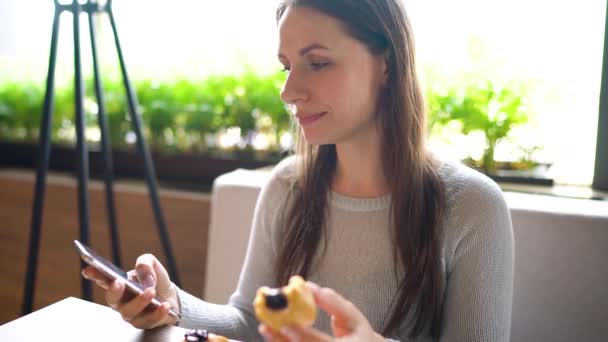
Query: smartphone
{"x": 114, "y": 272}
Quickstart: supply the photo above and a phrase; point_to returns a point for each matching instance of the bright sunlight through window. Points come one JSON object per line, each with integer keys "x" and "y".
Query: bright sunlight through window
{"x": 550, "y": 49}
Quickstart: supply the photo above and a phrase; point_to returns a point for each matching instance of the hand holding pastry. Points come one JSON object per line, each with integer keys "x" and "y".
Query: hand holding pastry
{"x": 347, "y": 322}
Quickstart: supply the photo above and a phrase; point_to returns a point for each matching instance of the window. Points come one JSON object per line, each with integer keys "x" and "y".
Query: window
{"x": 190, "y": 37}
{"x": 554, "y": 48}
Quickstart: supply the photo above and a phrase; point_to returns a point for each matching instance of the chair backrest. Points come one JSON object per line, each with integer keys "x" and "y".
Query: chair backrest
{"x": 233, "y": 201}
{"x": 561, "y": 258}
{"x": 561, "y": 277}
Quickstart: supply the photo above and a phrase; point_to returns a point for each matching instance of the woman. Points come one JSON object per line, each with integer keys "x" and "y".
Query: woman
{"x": 409, "y": 247}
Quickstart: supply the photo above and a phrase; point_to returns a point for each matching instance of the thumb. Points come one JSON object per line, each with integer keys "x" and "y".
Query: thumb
{"x": 339, "y": 328}
{"x": 345, "y": 315}
{"x": 146, "y": 270}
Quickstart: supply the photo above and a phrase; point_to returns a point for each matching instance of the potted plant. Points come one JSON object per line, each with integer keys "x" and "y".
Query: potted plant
{"x": 485, "y": 108}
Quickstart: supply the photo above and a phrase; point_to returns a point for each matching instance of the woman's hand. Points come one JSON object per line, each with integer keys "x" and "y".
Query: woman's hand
{"x": 134, "y": 308}
{"x": 347, "y": 322}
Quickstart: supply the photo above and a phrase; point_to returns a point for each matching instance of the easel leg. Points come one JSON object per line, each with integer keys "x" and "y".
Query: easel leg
{"x": 145, "y": 153}
{"x": 106, "y": 149}
{"x": 81, "y": 147}
{"x": 45, "y": 153}
{"x": 82, "y": 152}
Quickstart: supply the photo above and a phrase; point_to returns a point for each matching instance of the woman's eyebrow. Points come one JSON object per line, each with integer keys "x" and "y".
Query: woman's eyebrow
{"x": 308, "y": 48}
{"x": 311, "y": 47}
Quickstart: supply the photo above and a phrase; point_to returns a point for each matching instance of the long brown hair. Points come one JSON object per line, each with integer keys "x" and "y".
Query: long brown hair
{"x": 411, "y": 172}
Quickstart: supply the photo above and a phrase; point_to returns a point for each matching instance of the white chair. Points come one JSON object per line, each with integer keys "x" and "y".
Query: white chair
{"x": 561, "y": 258}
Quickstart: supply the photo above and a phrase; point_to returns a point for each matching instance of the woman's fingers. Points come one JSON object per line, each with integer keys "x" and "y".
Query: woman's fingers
{"x": 132, "y": 276}
{"x": 152, "y": 319}
{"x": 271, "y": 335}
{"x": 339, "y": 328}
{"x": 345, "y": 315}
{"x": 114, "y": 293}
{"x": 151, "y": 272}
{"x": 117, "y": 294}
{"x": 131, "y": 309}
{"x": 145, "y": 270}
{"x": 137, "y": 308}
{"x": 293, "y": 334}
{"x": 297, "y": 334}
{"x": 94, "y": 275}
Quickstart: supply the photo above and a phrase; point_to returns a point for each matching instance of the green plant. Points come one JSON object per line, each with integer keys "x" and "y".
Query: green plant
{"x": 6, "y": 115}
{"x": 64, "y": 114}
{"x": 248, "y": 101}
{"x": 203, "y": 113}
{"x": 119, "y": 123}
{"x": 239, "y": 107}
{"x": 483, "y": 107}
{"x": 177, "y": 113}
{"x": 527, "y": 159}
{"x": 263, "y": 93}
{"x": 21, "y": 110}
{"x": 158, "y": 105}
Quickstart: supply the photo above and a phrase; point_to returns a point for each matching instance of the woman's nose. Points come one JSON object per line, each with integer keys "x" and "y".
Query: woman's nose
{"x": 294, "y": 89}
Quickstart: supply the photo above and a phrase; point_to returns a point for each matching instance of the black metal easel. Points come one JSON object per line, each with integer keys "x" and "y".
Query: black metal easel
{"x": 91, "y": 7}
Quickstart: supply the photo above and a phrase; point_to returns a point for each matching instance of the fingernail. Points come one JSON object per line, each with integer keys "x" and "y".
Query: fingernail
{"x": 264, "y": 333}
{"x": 289, "y": 332}
{"x": 148, "y": 281}
{"x": 150, "y": 293}
{"x": 314, "y": 287}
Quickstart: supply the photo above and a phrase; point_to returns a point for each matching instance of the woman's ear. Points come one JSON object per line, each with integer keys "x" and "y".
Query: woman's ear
{"x": 385, "y": 68}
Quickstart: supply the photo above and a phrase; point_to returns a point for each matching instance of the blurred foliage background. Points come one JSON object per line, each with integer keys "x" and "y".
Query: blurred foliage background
{"x": 243, "y": 112}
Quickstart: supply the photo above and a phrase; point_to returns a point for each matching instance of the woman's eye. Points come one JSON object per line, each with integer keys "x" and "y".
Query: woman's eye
{"x": 318, "y": 65}
{"x": 285, "y": 69}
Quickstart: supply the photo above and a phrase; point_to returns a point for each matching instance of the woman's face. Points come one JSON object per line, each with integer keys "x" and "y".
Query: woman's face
{"x": 333, "y": 80}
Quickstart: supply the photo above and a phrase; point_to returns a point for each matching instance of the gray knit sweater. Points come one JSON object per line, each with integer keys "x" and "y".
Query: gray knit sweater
{"x": 476, "y": 260}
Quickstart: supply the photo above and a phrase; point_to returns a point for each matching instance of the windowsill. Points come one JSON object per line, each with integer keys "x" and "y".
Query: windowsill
{"x": 561, "y": 200}
{"x": 257, "y": 177}
{"x": 578, "y": 192}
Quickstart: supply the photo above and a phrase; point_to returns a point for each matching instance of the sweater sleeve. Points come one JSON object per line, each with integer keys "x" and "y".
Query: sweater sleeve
{"x": 479, "y": 270}
{"x": 236, "y": 319}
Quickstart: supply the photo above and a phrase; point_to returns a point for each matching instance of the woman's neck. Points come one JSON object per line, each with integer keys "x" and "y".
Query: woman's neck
{"x": 359, "y": 171}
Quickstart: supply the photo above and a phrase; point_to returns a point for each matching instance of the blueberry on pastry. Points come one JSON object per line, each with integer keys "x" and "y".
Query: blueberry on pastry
{"x": 293, "y": 304}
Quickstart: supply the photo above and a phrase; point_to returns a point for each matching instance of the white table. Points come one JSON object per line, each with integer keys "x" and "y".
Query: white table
{"x": 73, "y": 319}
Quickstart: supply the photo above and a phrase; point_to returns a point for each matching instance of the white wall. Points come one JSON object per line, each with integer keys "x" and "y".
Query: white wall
{"x": 7, "y": 28}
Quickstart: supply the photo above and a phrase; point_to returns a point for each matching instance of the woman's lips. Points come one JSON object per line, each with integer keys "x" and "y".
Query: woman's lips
{"x": 309, "y": 119}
